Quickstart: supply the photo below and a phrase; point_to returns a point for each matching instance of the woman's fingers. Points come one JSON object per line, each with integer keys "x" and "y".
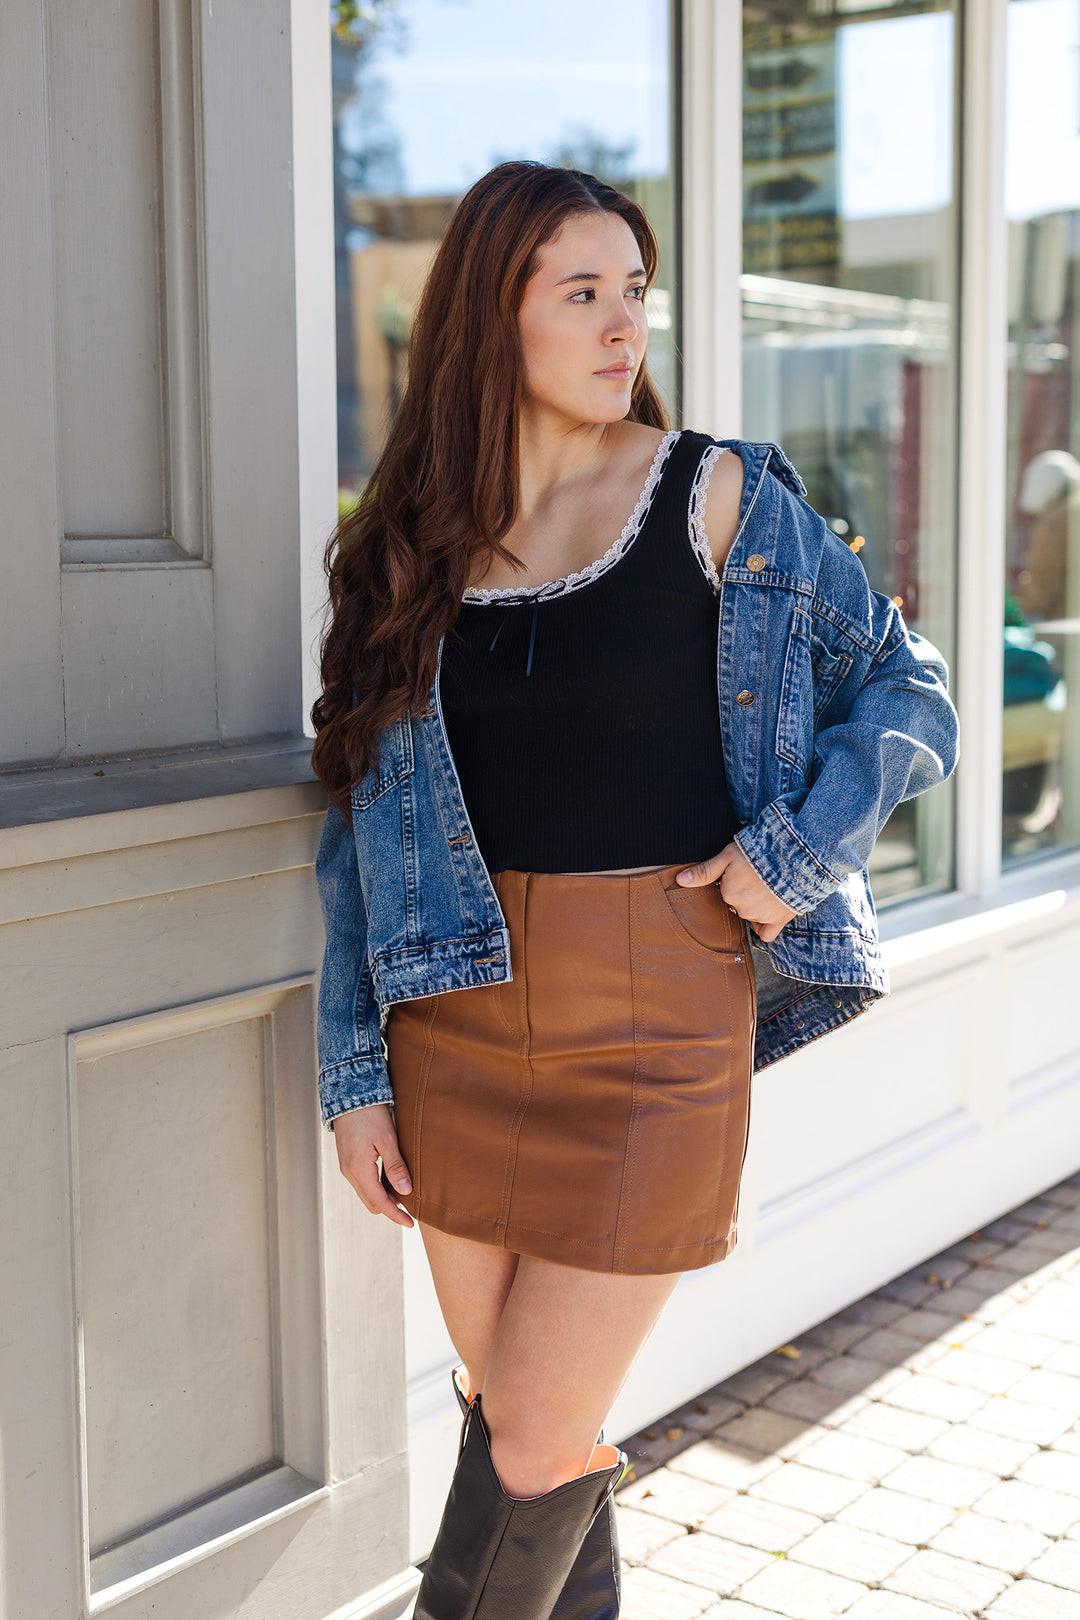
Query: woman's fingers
{"x": 364, "y": 1136}
{"x": 373, "y": 1195}
{"x": 702, "y": 872}
{"x": 386, "y": 1145}
{"x": 768, "y": 931}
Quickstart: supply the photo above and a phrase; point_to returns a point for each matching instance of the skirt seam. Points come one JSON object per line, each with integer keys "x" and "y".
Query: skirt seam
{"x": 528, "y": 1084}
{"x": 626, "y": 1179}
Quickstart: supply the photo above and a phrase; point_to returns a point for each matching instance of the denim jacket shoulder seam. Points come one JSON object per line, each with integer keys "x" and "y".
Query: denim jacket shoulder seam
{"x": 890, "y": 643}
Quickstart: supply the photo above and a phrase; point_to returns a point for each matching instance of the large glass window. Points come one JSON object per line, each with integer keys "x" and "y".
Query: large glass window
{"x": 1041, "y": 752}
{"x": 848, "y": 296}
{"x": 428, "y": 95}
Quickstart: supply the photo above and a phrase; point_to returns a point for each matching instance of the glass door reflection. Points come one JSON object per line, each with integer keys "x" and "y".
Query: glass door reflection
{"x": 429, "y": 95}
{"x": 1041, "y": 729}
{"x": 848, "y": 298}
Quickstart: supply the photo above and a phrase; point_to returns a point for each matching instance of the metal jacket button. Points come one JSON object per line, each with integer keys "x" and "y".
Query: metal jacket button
{"x": 755, "y": 563}
{"x": 744, "y": 698}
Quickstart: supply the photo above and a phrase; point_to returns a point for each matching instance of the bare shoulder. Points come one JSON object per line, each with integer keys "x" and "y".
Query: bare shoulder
{"x": 720, "y": 519}
{"x": 635, "y": 450}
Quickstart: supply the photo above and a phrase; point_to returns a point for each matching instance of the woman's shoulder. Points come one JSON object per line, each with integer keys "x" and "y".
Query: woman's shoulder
{"x": 717, "y": 495}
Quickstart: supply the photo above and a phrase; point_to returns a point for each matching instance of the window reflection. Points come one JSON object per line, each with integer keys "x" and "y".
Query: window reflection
{"x": 848, "y": 308}
{"x": 1041, "y": 730}
{"x": 428, "y": 95}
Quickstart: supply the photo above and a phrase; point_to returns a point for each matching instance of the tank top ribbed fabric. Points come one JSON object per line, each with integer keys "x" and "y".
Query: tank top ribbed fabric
{"x": 583, "y": 717}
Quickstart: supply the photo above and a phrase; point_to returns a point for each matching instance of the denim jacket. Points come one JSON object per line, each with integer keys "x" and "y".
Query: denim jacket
{"x": 832, "y": 712}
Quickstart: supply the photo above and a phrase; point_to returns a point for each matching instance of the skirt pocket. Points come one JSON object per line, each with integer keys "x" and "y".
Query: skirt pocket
{"x": 704, "y": 919}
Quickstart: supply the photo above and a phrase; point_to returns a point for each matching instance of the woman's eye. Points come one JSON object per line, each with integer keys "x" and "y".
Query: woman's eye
{"x": 587, "y": 295}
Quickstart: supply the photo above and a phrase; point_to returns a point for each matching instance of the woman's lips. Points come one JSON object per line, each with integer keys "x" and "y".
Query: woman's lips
{"x": 619, "y": 373}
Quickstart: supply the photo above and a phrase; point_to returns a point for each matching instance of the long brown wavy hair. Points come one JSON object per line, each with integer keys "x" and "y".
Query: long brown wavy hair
{"x": 446, "y": 485}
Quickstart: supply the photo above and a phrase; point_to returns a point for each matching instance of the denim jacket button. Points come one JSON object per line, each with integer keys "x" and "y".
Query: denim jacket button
{"x": 744, "y": 698}
{"x": 755, "y": 563}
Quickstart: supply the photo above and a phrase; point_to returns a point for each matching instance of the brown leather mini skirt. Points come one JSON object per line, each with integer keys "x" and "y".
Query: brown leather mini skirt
{"x": 594, "y": 1110}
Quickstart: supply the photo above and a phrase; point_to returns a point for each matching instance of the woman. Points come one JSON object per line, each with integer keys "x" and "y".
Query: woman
{"x": 596, "y": 847}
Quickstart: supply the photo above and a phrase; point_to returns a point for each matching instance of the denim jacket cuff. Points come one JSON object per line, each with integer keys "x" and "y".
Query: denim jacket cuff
{"x": 355, "y": 1083}
{"x": 784, "y": 863}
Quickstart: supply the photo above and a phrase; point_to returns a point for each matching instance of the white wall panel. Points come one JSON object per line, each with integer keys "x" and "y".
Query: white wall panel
{"x": 152, "y": 463}
{"x": 859, "y": 1092}
{"x": 176, "y": 1266}
{"x": 138, "y": 648}
{"x": 106, "y": 221}
{"x": 1042, "y": 1027}
{"x": 31, "y": 673}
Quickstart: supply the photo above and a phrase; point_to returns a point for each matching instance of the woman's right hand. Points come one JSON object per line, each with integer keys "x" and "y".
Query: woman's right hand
{"x": 364, "y": 1135}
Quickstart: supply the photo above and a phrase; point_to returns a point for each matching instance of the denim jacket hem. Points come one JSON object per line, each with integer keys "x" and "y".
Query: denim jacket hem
{"x": 816, "y": 1012}
{"x": 448, "y": 964}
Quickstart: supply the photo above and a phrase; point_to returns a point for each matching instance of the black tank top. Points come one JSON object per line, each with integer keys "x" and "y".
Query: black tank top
{"x": 582, "y": 714}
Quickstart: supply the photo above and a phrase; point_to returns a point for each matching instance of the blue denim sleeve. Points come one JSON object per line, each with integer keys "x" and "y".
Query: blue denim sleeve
{"x": 352, "y": 1064}
{"x": 899, "y": 738}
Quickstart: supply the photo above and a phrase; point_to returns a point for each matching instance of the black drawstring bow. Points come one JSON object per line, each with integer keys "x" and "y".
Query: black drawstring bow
{"x": 532, "y": 637}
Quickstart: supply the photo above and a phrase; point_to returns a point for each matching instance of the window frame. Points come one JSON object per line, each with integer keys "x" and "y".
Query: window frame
{"x": 711, "y": 95}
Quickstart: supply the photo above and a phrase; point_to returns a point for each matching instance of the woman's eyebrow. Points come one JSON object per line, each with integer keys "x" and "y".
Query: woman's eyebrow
{"x": 594, "y": 275}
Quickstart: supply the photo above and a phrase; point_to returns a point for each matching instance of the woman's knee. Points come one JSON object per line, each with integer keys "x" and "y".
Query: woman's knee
{"x": 530, "y": 1462}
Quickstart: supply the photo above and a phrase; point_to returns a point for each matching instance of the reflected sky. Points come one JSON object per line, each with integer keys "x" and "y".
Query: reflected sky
{"x": 454, "y": 71}
{"x": 894, "y": 115}
{"x": 469, "y": 82}
{"x": 1042, "y": 107}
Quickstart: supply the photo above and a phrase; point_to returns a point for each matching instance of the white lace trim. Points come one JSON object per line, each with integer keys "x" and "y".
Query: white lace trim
{"x": 570, "y": 582}
{"x": 699, "y": 494}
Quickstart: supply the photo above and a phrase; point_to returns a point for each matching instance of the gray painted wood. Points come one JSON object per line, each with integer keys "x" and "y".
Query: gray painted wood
{"x": 203, "y": 1404}
{"x": 31, "y": 673}
{"x": 151, "y": 461}
{"x": 104, "y": 186}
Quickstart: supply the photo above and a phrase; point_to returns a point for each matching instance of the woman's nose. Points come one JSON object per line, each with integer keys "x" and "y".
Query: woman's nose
{"x": 622, "y": 326}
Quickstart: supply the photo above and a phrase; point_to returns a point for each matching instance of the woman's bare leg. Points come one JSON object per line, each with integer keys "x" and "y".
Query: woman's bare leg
{"x": 472, "y": 1281}
{"x": 549, "y": 1346}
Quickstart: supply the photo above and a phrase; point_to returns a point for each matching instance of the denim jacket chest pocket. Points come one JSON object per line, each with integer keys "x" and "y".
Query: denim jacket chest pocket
{"x": 810, "y": 665}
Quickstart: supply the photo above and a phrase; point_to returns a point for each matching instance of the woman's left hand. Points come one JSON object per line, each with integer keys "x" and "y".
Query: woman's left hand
{"x": 743, "y": 890}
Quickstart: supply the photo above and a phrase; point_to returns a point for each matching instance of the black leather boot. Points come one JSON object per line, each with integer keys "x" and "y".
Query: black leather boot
{"x": 500, "y": 1557}
{"x": 593, "y": 1588}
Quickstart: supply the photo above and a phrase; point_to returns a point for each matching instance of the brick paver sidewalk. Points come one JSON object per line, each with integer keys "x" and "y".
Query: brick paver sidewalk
{"x": 915, "y": 1457}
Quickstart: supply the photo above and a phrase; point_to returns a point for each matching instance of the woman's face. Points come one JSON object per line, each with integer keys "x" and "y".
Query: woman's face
{"x": 582, "y": 321}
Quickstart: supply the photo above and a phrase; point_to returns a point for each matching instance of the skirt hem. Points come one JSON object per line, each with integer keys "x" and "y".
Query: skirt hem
{"x": 563, "y": 1251}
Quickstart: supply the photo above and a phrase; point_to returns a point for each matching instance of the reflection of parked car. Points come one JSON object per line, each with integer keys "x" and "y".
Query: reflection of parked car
{"x": 1033, "y": 731}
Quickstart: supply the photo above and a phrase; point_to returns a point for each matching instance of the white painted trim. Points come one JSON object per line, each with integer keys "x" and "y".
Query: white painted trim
{"x": 1047, "y": 883}
{"x": 392, "y": 1600}
{"x": 255, "y": 1506}
{"x": 712, "y": 216}
{"x": 842, "y": 1186}
{"x": 982, "y": 312}
{"x": 316, "y": 352}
